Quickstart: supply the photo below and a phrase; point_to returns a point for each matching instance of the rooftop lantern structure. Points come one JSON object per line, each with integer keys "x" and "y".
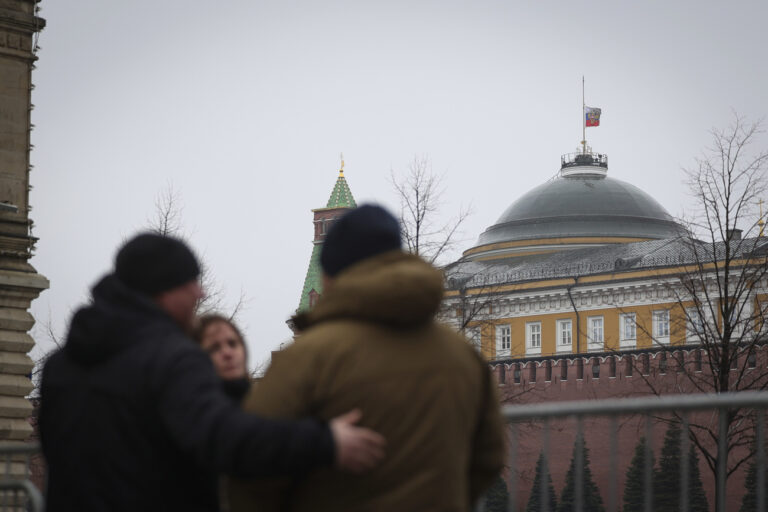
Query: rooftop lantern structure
{"x": 584, "y": 163}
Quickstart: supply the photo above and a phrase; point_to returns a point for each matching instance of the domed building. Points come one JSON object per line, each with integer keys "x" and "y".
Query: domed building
{"x": 570, "y": 267}
{"x": 576, "y": 293}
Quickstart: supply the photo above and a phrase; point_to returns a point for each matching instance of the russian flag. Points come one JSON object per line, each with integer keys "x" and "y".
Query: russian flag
{"x": 592, "y": 116}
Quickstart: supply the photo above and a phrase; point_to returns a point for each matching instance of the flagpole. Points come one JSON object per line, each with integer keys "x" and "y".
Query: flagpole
{"x": 583, "y": 119}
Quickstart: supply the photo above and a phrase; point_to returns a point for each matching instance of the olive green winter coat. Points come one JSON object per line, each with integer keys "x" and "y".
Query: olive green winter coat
{"x": 372, "y": 343}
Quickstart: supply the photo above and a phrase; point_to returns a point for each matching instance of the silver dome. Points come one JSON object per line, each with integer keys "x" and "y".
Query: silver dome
{"x": 582, "y": 205}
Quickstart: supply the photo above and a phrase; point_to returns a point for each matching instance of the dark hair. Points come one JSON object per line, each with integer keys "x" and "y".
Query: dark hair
{"x": 207, "y": 320}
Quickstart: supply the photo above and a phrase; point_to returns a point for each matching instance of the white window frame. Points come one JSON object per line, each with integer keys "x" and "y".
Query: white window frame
{"x": 627, "y": 330}
{"x": 561, "y": 330}
{"x": 475, "y": 338}
{"x": 745, "y": 319}
{"x": 691, "y": 332}
{"x": 661, "y": 326}
{"x": 503, "y": 346}
{"x": 532, "y": 338}
{"x": 595, "y": 335}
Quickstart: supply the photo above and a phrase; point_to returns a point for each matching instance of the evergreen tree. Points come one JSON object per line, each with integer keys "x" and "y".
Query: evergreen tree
{"x": 591, "y": 499}
{"x": 666, "y": 480}
{"x": 749, "y": 501}
{"x": 534, "y": 502}
{"x": 697, "y": 498}
{"x": 633, "y": 489}
{"x": 497, "y": 497}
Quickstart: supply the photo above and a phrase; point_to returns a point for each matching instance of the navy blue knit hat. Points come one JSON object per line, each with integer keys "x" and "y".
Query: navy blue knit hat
{"x": 359, "y": 234}
{"x": 151, "y": 264}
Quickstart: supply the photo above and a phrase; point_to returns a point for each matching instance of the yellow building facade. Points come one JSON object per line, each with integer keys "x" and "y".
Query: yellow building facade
{"x": 584, "y": 264}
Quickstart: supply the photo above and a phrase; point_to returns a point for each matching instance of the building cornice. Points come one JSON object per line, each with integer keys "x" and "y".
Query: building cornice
{"x": 597, "y": 278}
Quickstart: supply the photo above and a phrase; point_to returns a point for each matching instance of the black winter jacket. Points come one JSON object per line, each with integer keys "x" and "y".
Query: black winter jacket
{"x": 134, "y": 418}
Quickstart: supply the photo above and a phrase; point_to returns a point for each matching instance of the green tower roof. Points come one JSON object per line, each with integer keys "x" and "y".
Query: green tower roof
{"x": 341, "y": 196}
{"x": 313, "y": 280}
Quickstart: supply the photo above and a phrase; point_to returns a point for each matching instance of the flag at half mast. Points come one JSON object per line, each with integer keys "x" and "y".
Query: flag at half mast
{"x": 592, "y": 116}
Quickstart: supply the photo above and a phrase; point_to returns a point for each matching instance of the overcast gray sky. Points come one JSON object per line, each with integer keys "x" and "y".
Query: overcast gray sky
{"x": 244, "y": 107}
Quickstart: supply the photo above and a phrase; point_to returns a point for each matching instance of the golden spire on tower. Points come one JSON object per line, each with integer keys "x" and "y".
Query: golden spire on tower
{"x": 341, "y": 169}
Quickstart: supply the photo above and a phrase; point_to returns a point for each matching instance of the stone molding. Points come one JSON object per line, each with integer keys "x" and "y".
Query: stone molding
{"x": 20, "y": 284}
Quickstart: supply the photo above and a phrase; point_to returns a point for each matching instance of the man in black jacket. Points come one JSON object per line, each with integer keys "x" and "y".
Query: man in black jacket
{"x": 133, "y": 417}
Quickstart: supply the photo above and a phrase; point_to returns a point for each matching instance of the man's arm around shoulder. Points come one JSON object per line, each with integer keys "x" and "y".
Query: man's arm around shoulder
{"x": 203, "y": 421}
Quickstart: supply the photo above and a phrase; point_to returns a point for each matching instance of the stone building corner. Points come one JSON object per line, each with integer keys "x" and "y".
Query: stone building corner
{"x": 20, "y": 283}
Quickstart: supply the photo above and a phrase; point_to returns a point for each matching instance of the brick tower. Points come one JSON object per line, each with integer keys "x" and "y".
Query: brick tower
{"x": 340, "y": 201}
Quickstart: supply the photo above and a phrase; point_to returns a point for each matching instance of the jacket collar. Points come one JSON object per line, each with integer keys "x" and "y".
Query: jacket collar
{"x": 393, "y": 288}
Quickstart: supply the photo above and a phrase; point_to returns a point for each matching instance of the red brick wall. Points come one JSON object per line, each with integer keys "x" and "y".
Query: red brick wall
{"x": 598, "y": 430}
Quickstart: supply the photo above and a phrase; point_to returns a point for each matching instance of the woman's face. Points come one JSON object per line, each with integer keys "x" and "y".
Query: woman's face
{"x": 226, "y": 350}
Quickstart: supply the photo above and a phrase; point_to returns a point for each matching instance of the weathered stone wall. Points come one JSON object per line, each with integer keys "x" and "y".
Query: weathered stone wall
{"x": 19, "y": 282}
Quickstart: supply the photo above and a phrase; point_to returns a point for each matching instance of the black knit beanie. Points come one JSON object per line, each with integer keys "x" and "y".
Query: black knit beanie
{"x": 359, "y": 234}
{"x": 152, "y": 264}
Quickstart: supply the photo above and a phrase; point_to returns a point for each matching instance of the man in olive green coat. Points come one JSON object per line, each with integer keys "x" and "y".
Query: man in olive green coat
{"x": 372, "y": 343}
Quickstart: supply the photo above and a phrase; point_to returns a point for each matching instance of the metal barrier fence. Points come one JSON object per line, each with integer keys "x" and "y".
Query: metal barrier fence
{"x": 17, "y": 492}
{"x": 650, "y": 409}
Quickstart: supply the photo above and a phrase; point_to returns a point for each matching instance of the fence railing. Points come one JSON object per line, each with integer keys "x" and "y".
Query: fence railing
{"x": 17, "y": 492}
{"x": 646, "y": 411}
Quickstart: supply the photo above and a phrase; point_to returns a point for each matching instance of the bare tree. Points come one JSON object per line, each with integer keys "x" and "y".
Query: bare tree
{"x": 168, "y": 213}
{"x": 49, "y": 331}
{"x": 424, "y": 232}
{"x": 473, "y": 301}
{"x": 721, "y": 294}
{"x": 168, "y": 221}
